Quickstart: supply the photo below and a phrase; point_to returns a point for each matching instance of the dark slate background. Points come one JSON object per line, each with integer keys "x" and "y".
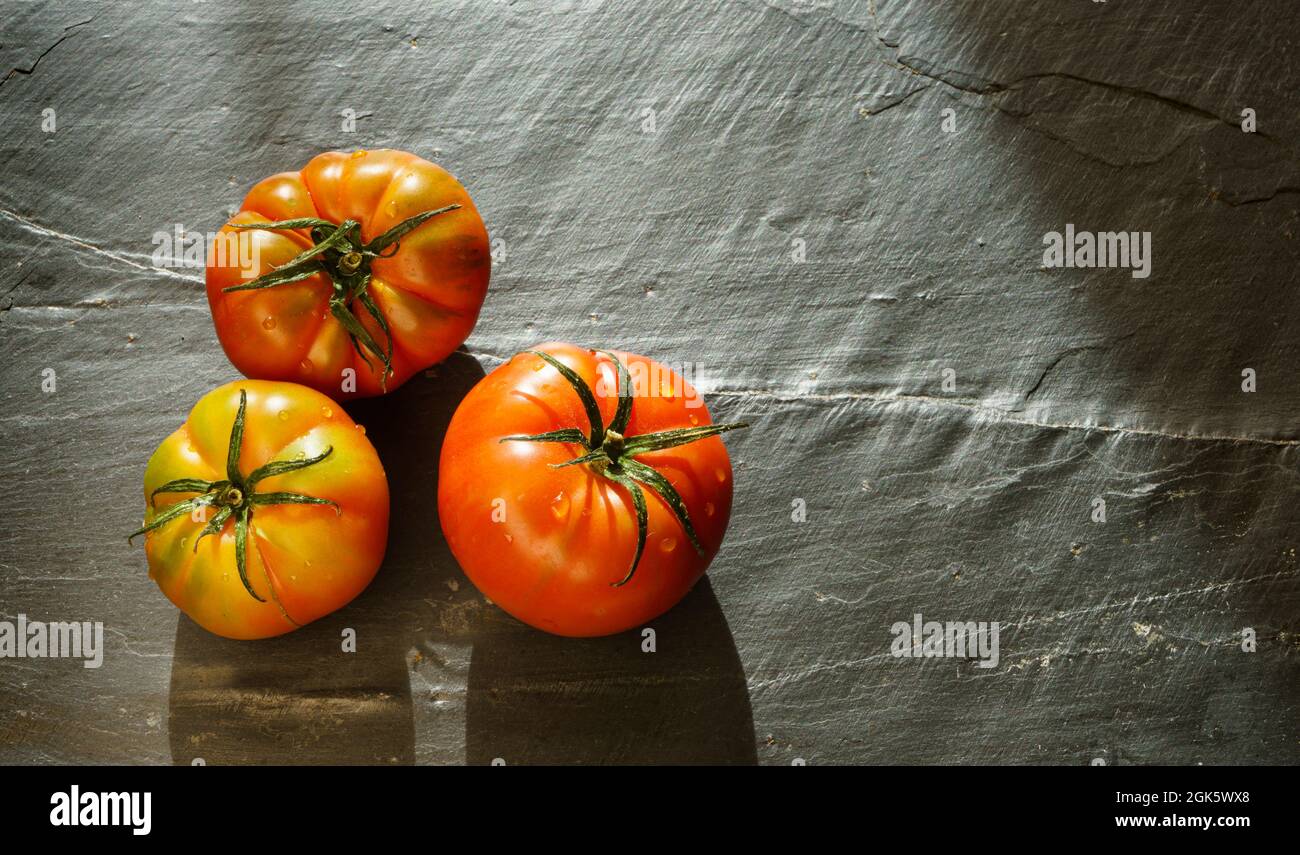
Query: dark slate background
{"x": 776, "y": 122}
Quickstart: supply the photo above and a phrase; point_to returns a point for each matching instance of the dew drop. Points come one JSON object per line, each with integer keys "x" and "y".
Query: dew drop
{"x": 721, "y": 475}
{"x": 509, "y": 539}
{"x": 362, "y": 428}
{"x": 268, "y": 323}
{"x": 694, "y": 419}
{"x": 560, "y": 505}
{"x": 361, "y": 152}
{"x": 668, "y": 544}
{"x": 539, "y": 365}
{"x": 327, "y": 411}
{"x": 306, "y": 366}
{"x": 185, "y": 541}
{"x": 283, "y": 415}
{"x": 709, "y": 510}
{"x": 302, "y": 455}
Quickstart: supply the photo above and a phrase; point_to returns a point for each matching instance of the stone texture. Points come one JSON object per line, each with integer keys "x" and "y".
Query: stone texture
{"x": 773, "y": 123}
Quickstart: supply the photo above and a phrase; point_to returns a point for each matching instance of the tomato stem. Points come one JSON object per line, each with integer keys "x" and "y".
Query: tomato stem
{"x": 235, "y": 496}
{"x": 610, "y": 453}
{"x": 338, "y": 251}
{"x": 612, "y": 445}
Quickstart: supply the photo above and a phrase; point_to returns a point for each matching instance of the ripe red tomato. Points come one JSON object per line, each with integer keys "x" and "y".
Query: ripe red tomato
{"x": 603, "y": 544}
{"x": 370, "y": 262}
{"x": 266, "y": 510}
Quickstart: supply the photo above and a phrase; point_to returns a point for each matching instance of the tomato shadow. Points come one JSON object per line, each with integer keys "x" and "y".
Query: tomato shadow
{"x": 299, "y": 698}
{"x": 536, "y": 698}
{"x": 530, "y": 697}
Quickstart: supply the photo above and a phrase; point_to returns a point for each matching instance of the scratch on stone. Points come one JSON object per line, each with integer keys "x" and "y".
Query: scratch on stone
{"x": 127, "y": 646}
{"x": 828, "y": 598}
{"x": 993, "y": 413}
{"x": 118, "y": 257}
{"x": 755, "y": 685}
{"x": 1143, "y": 601}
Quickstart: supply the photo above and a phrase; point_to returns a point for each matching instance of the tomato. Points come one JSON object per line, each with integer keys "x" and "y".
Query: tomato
{"x": 266, "y": 510}
{"x": 350, "y": 275}
{"x": 617, "y": 535}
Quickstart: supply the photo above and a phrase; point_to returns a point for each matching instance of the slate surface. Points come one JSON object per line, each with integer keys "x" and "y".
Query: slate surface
{"x": 651, "y": 175}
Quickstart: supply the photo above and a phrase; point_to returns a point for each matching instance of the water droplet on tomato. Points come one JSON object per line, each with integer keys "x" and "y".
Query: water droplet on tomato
{"x": 668, "y": 544}
{"x": 694, "y": 420}
{"x": 509, "y": 539}
{"x": 361, "y": 428}
{"x": 302, "y": 455}
{"x": 361, "y": 152}
{"x": 560, "y": 505}
{"x": 327, "y": 412}
{"x": 283, "y": 415}
{"x": 306, "y": 366}
{"x": 539, "y": 365}
{"x": 709, "y": 510}
{"x": 721, "y": 475}
{"x": 268, "y": 323}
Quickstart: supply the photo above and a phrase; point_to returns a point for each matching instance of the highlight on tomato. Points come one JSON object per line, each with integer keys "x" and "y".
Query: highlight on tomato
{"x": 266, "y": 510}
{"x": 350, "y": 275}
{"x": 585, "y": 492}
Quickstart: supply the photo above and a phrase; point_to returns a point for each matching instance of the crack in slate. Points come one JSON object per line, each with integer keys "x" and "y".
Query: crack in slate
{"x": 1069, "y": 351}
{"x": 910, "y": 65}
{"x": 28, "y": 71}
{"x": 892, "y": 104}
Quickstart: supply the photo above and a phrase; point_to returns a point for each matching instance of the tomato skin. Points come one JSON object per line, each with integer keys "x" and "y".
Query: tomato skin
{"x": 430, "y": 292}
{"x": 305, "y": 561}
{"x": 569, "y": 534}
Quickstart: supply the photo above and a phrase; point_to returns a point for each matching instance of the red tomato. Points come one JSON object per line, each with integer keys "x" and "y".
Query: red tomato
{"x": 561, "y": 548}
{"x": 399, "y": 281}
{"x": 266, "y": 510}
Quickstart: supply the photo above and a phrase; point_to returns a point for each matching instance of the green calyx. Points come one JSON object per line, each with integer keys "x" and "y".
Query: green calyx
{"x": 612, "y": 454}
{"x": 338, "y": 252}
{"x": 235, "y": 496}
